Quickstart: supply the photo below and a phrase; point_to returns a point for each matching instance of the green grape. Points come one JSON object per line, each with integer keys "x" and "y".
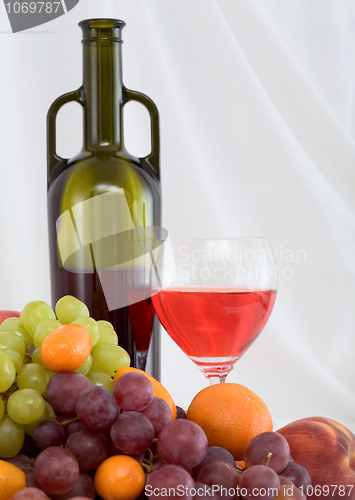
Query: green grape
{"x": 103, "y": 322}
{"x": 69, "y": 308}
{"x": 33, "y": 376}
{"x": 50, "y": 373}
{"x": 34, "y": 313}
{"x": 36, "y": 358}
{"x": 48, "y": 413}
{"x": 12, "y": 436}
{"x": 108, "y": 358}
{"x": 12, "y": 341}
{"x": 91, "y": 325}
{"x": 15, "y": 325}
{"x": 44, "y": 329}
{"x": 25, "y": 406}
{"x": 85, "y": 367}
{"x": 7, "y": 372}
{"x": 101, "y": 379}
{"x": 2, "y": 408}
{"x": 107, "y": 335}
{"x": 16, "y": 358}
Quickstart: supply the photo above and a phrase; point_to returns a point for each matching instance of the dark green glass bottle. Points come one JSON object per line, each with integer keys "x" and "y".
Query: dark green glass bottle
{"x": 104, "y": 203}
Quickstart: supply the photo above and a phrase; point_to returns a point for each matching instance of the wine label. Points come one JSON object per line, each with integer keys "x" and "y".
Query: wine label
{"x": 24, "y": 14}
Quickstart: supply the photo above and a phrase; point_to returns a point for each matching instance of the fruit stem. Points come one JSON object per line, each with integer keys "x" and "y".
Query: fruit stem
{"x": 64, "y": 423}
{"x": 267, "y": 459}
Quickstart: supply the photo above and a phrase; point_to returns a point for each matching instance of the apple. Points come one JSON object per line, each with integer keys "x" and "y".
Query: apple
{"x": 326, "y": 449}
{"x": 8, "y": 314}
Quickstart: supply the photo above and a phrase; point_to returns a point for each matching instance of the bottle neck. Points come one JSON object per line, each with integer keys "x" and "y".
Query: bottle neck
{"x": 102, "y": 82}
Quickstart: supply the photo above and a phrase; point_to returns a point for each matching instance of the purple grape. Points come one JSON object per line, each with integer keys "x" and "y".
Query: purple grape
{"x": 96, "y": 408}
{"x": 182, "y": 442}
{"x": 204, "y": 492}
{"x": 21, "y": 461}
{"x": 180, "y": 413}
{"x": 171, "y": 478}
{"x": 84, "y": 487}
{"x": 220, "y": 475}
{"x": 214, "y": 454}
{"x": 63, "y": 390}
{"x": 73, "y": 427}
{"x": 259, "y": 481}
{"x": 132, "y": 433}
{"x": 29, "y": 493}
{"x": 56, "y": 470}
{"x": 288, "y": 489}
{"x": 90, "y": 448}
{"x": 30, "y": 478}
{"x": 159, "y": 413}
{"x": 133, "y": 391}
{"x": 48, "y": 433}
{"x": 298, "y": 474}
{"x": 257, "y": 450}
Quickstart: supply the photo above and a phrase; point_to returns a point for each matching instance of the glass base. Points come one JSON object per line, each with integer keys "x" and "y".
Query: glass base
{"x": 215, "y": 369}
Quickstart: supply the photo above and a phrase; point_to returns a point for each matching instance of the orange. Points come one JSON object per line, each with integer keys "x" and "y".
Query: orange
{"x": 66, "y": 348}
{"x": 231, "y": 415}
{"x": 159, "y": 390}
{"x": 12, "y": 479}
{"x": 119, "y": 478}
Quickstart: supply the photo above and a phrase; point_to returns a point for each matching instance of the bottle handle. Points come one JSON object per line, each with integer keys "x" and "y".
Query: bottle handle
{"x": 53, "y": 159}
{"x": 154, "y": 157}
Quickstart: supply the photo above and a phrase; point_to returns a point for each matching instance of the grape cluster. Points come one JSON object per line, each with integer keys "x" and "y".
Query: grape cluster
{"x": 60, "y": 427}
{"x": 28, "y": 390}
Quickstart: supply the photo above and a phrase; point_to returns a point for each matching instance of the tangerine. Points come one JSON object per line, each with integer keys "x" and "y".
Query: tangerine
{"x": 12, "y": 480}
{"x": 66, "y": 348}
{"x": 159, "y": 389}
{"x": 119, "y": 477}
{"x": 231, "y": 415}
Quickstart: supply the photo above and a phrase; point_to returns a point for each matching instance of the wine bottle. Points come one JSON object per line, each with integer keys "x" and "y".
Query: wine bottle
{"x": 104, "y": 204}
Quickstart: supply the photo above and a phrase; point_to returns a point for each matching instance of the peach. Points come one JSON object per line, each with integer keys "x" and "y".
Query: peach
{"x": 327, "y": 449}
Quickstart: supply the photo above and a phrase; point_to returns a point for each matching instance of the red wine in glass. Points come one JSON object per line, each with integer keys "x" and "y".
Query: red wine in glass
{"x": 213, "y": 322}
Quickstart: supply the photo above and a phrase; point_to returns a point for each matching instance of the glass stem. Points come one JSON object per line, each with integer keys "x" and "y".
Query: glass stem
{"x": 142, "y": 359}
{"x": 216, "y": 379}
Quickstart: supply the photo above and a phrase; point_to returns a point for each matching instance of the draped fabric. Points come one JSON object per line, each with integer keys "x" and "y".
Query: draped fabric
{"x": 256, "y": 100}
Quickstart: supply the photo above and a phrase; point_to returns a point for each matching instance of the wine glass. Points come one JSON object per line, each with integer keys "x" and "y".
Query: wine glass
{"x": 214, "y": 297}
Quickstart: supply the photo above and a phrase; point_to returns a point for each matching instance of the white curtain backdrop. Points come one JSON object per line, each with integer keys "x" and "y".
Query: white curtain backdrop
{"x": 256, "y": 99}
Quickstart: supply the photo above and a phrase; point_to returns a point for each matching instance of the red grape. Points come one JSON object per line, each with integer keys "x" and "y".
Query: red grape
{"x": 48, "y": 433}
{"x": 222, "y": 477}
{"x": 172, "y": 479}
{"x": 56, "y": 470}
{"x": 257, "y": 450}
{"x": 84, "y": 487}
{"x": 63, "y": 390}
{"x": 29, "y": 493}
{"x": 214, "y": 454}
{"x": 259, "y": 481}
{"x": 21, "y": 461}
{"x": 182, "y": 442}
{"x": 96, "y": 408}
{"x": 133, "y": 391}
{"x": 159, "y": 413}
{"x": 298, "y": 474}
{"x": 180, "y": 412}
{"x": 132, "y": 433}
{"x": 90, "y": 448}
{"x": 204, "y": 492}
